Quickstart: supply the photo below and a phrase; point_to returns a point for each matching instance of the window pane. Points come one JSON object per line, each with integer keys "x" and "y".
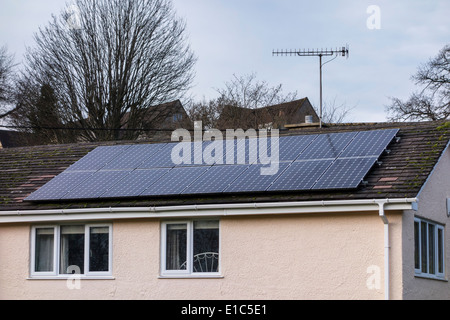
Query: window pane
{"x": 176, "y": 244}
{"x": 99, "y": 249}
{"x": 44, "y": 250}
{"x": 431, "y": 249}
{"x": 72, "y": 249}
{"x": 440, "y": 251}
{"x": 416, "y": 245}
{"x": 206, "y": 246}
{"x": 423, "y": 247}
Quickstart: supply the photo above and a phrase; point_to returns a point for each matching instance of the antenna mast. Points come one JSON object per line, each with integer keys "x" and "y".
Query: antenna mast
{"x": 315, "y": 53}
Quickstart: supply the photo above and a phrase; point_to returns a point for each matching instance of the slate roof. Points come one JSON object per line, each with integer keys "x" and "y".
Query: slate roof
{"x": 402, "y": 174}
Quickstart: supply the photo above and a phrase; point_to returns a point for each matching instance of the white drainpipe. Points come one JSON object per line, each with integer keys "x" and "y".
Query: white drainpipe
{"x": 386, "y": 248}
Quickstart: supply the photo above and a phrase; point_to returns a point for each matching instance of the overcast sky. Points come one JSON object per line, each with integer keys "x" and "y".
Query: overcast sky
{"x": 238, "y": 37}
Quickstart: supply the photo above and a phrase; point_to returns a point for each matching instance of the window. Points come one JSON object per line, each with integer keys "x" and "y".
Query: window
{"x": 190, "y": 248}
{"x": 177, "y": 117}
{"x": 428, "y": 249}
{"x": 64, "y": 250}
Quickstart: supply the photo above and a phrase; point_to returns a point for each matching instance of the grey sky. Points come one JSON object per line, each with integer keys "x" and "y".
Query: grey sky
{"x": 237, "y": 37}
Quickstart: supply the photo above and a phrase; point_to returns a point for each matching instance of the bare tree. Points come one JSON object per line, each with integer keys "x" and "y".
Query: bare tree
{"x": 335, "y": 113}
{"x": 6, "y": 82}
{"x": 433, "y": 101}
{"x": 239, "y": 103}
{"x": 109, "y": 61}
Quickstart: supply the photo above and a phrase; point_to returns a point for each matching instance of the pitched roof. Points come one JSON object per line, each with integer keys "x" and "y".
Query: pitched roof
{"x": 402, "y": 174}
{"x": 292, "y": 112}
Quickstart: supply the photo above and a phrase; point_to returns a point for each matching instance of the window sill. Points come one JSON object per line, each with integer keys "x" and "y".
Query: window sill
{"x": 430, "y": 277}
{"x": 190, "y": 276}
{"x": 71, "y": 277}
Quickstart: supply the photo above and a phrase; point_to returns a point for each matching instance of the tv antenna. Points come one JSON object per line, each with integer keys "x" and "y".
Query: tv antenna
{"x": 315, "y": 53}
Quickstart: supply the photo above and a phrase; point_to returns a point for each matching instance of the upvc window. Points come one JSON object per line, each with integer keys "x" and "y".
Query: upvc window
{"x": 190, "y": 248}
{"x": 429, "y": 249}
{"x": 64, "y": 250}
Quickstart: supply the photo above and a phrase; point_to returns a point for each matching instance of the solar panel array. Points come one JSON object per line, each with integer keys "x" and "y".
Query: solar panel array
{"x": 292, "y": 163}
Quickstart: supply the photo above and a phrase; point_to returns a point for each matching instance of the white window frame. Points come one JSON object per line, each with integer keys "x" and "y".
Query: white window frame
{"x": 189, "y": 272}
{"x": 57, "y": 252}
{"x": 425, "y": 273}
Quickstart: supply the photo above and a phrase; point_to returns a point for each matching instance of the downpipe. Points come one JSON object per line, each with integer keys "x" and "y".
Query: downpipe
{"x": 383, "y": 217}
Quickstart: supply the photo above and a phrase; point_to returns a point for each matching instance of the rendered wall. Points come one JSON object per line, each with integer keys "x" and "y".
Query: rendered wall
{"x": 432, "y": 206}
{"x": 316, "y": 256}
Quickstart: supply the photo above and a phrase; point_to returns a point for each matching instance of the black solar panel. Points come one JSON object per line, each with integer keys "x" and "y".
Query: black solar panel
{"x": 305, "y": 162}
{"x": 300, "y": 175}
{"x": 252, "y": 179}
{"x": 94, "y": 186}
{"x": 327, "y": 146}
{"x": 369, "y": 143}
{"x": 135, "y": 183}
{"x": 345, "y": 173}
{"x": 56, "y": 188}
{"x": 292, "y": 146}
{"x": 175, "y": 181}
{"x": 133, "y": 157}
{"x": 216, "y": 179}
{"x": 98, "y": 158}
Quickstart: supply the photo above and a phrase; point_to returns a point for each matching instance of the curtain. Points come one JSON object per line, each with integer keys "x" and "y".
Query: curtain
{"x": 176, "y": 247}
{"x": 44, "y": 250}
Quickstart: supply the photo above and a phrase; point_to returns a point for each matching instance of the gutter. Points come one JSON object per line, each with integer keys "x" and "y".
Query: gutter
{"x": 205, "y": 210}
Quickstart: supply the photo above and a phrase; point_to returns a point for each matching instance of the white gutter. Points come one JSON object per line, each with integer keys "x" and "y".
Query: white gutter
{"x": 207, "y": 210}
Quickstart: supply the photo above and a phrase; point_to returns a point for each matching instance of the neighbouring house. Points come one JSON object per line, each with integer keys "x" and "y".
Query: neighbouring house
{"x": 358, "y": 211}
{"x": 163, "y": 117}
{"x": 13, "y": 139}
{"x": 276, "y": 116}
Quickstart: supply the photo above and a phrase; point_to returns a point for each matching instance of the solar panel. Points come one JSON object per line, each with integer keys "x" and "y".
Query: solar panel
{"x": 215, "y": 179}
{"x": 56, "y": 188}
{"x": 369, "y": 143}
{"x": 292, "y": 146}
{"x": 162, "y": 158}
{"x": 96, "y": 184}
{"x": 345, "y": 173}
{"x": 252, "y": 179}
{"x": 135, "y": 183}
{"x": 327, "y": 146}
{"x": 175, "y": 181}
{"x": 300, "y": 175}
{"x": 241, "y": 151}
{"x": 133, "y": 157}
{"x": 306, "y": 162}
{"x": 98, "y": 158}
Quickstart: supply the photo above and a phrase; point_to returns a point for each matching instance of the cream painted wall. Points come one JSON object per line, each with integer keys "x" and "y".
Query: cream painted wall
{"x": 316, "y": 256}
{"x": 432, "y": 206}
